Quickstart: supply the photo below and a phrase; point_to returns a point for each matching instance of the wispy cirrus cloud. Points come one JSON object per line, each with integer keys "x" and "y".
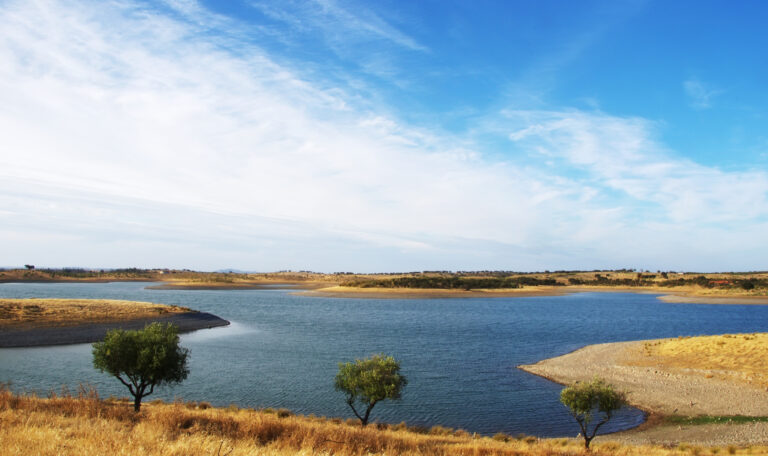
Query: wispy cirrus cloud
{"x": 700, "y": 94}
{"x": 621, "y": 154}
{"x": 341, "y": 25}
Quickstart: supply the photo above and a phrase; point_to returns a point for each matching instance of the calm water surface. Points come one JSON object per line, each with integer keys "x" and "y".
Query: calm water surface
{"x": 459, "y": 354}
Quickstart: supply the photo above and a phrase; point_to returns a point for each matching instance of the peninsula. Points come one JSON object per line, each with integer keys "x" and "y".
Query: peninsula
{"x": 37, "y": 322}
{"x": 719, "y": 381}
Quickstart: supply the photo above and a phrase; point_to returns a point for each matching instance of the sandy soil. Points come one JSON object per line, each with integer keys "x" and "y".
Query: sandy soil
{"x": 705, "y": 434}
{"x": 694, "y": 299}
{"x": 666, "y": 392}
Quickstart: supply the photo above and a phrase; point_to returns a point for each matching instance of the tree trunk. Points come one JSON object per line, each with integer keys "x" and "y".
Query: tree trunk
{"x": 364, "y": 419}
{"x": 136, "y": 403}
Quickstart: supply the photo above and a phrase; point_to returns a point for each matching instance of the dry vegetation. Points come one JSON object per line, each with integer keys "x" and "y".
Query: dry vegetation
{"x": 739, "y": 357}
{"x": 35, "y": 313}
{"x": 86, "y": 425}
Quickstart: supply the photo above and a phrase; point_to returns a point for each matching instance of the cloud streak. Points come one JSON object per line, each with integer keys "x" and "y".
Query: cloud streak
{"x": 700, "y": 95}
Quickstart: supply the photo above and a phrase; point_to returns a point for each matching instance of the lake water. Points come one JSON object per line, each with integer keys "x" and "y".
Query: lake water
{"x": 459, "y": 355}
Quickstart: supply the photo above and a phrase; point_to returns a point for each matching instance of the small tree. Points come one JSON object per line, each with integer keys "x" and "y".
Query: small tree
{"x": 587, "y": 399}
{"x": 368, "y": 381}
{"x": 143, "y": 359}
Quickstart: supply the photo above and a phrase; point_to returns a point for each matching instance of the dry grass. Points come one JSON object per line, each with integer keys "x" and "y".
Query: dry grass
{"x": 34, "y": 313}
{"x": 86, "y": 425}
{"x": 740, "y": 357}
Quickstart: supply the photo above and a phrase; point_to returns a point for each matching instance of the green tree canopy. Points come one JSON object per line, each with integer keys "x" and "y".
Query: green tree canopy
{"x": 142, "y": 359}
{"x": 369, "y": 381}
{"x": 586, "y": 400}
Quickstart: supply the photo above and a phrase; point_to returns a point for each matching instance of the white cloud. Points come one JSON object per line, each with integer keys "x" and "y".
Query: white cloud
{"x": 340, "y": 25}
{"x": 621, "y": 154}
{"x": 134, "y": 138}
{"x": 700, "y": 94}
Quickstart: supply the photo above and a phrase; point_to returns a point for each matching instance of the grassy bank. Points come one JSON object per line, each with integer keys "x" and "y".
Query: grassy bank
{"x": 86, "y": 425}
{"x": 36, "y": 313}
{"x": 731, "y": 357}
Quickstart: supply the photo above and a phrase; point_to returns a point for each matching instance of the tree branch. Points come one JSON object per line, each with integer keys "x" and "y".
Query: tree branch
{"x": 594, "y": 431}
{"x": 130, "y": 387}
{"x": 351, "y": 405}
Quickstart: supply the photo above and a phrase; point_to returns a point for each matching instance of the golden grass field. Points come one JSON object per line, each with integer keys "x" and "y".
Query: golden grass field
{"x": 33, "y": 313}
{"x": 85, "y": 425}
{"x": 739, "y": 357}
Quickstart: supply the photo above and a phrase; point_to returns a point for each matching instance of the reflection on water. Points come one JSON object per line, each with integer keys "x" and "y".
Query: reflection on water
{"x": 232, "y": 330}
{"x": 460, "y": 355}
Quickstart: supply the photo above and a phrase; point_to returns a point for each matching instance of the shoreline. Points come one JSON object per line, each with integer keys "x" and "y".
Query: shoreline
{"x": 94, "y": 332}
{"x": 666, "y": 295}
{"x": 427, "y": 293}
{"x": 237, "y": 286}
{"x": 662, "y": 392}
{"x": 326, "y": 289}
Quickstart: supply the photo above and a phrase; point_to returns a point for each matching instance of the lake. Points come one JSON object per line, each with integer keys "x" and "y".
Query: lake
{"x": 459, "y": 355}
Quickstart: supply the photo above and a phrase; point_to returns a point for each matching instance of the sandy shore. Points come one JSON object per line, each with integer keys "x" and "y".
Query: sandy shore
{"x": 700, "y": 299}
{"x": 237, "y": 286}
{"x": 664, "y": 392}
{"x": 427, "y": 293}
{"x": 666, "y": 295}
{"x": 93, "y": 332}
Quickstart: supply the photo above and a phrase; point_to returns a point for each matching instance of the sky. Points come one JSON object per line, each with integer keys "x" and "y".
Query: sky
{"x": 335, "y": 135}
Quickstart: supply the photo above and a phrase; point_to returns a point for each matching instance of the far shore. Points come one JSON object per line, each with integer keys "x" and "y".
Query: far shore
{"x": 672, "y": 287}
{"x": 667, "y": 295}
{"x": 237, "y": 285}
{"x": 663, "y": 391}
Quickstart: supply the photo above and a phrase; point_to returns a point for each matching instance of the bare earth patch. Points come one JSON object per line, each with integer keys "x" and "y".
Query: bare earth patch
{"x": 711, "y": 375}
{"x": 38, "y": 313}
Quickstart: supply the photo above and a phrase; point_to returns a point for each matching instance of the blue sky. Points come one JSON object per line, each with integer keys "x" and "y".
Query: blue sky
{"x": 384, "y": 136}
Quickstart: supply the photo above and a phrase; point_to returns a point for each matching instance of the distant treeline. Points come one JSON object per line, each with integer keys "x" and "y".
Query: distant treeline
{"x": 452, "y": 283}
{"x": 745, "y": 284}
{"x": 456, "y": 282}
{"x": 81, "y": 273}
{"x": 642, "y": 280}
